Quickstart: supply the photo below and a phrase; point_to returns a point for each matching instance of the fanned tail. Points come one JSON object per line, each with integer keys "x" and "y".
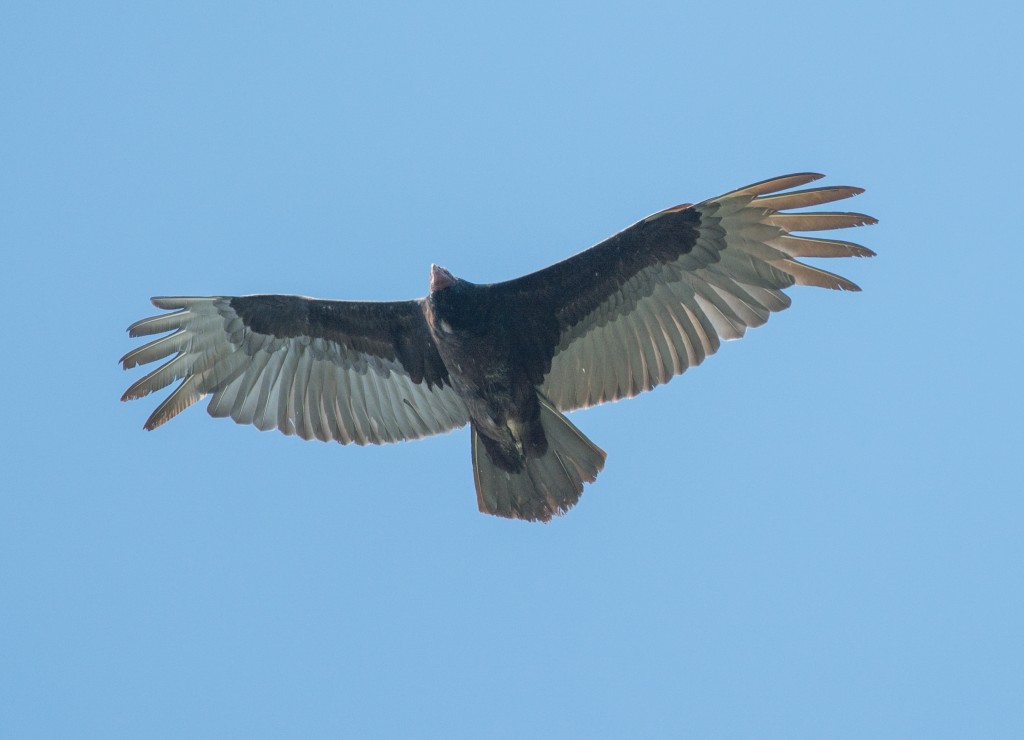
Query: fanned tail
{"x": 547, "y": 485}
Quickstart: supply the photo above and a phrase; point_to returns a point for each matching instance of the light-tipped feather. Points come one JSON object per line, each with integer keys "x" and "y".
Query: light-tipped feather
{"x": 819, "y": 221}
{"x": 805, "y": 198}
{"x": 773, "y": 185}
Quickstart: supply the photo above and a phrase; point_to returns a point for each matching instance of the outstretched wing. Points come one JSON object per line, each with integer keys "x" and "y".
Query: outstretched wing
{"x": 657, "y": 298}
{"x": 331, "y": 370}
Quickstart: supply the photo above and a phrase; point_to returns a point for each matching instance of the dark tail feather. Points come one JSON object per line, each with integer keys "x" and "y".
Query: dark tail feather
{"x": 548, "y": 485}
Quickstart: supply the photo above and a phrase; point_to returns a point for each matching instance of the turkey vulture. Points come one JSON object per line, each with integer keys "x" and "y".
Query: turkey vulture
{"x": 508, "y": 358}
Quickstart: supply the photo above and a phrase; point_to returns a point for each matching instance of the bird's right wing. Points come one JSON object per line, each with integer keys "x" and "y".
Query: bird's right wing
{"x": 347, "y": 371}
{"x": 657, "y": 298}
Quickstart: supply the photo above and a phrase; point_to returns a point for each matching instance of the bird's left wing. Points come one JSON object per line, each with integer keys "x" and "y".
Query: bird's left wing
{"x": 347, "y": 371}
{"x": 656, "y": 298}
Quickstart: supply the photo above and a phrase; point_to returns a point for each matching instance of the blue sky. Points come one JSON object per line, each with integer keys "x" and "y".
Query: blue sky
{"x": 817, "y": 533}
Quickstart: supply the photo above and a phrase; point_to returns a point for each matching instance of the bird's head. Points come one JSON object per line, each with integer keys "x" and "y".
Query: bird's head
{"x": 440, "y": 278}
{"x": 454, "y": 303}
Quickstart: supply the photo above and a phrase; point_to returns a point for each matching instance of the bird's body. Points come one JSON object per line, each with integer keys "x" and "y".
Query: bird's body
{"x": 508, "y": 358}
{"x": 485, "y": 369}
{"x": 529, "y": 461}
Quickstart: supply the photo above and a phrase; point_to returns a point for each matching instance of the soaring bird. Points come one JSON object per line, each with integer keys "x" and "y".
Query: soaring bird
{"x": 509, "y": 358}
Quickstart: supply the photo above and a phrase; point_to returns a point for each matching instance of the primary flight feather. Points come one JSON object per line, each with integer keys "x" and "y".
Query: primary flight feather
{"x": 508, "y": 358}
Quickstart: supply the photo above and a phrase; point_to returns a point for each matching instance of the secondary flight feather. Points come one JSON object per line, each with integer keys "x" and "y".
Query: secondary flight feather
{"x": 507, "y": 358}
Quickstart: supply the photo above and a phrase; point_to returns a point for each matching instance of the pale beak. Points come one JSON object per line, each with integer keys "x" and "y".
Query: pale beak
{"x": 440, "y": 278}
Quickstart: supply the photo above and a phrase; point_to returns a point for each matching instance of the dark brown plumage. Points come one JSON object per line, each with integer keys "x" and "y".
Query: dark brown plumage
{"x": 509, "y": 358}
